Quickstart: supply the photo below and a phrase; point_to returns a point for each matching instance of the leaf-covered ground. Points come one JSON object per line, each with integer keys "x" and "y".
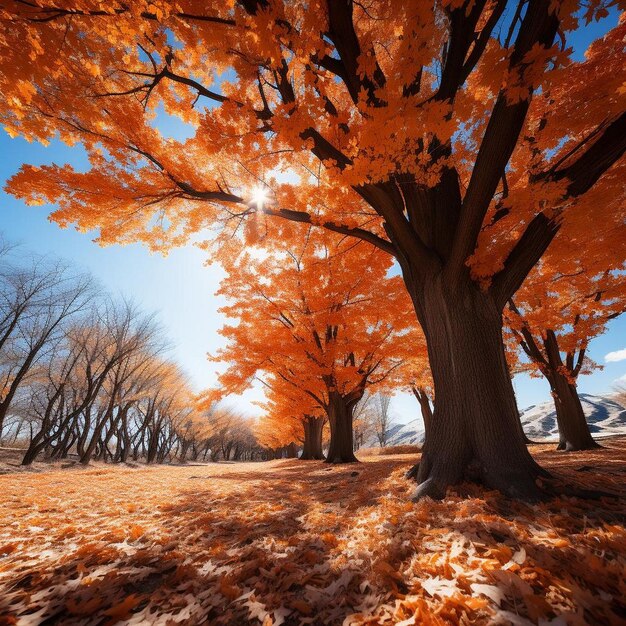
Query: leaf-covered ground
{"x": 292, "y": 542}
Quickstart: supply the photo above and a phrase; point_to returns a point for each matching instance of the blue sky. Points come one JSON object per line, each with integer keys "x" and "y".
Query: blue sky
{"x": 180, "y": 287}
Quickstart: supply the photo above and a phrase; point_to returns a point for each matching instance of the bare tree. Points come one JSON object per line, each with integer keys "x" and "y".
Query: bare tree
{"x": 382, "y": 418}
{"x": 128, "y": 332}
{"x": 363, "y": 425}
{"x": 83, "y": 374}
{"x": 36, "y": 302}
{"x": 619, "y": 393}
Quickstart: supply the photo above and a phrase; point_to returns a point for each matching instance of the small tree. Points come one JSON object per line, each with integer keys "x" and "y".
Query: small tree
{"x": 382, "y": 418}
{"x": 308, "y": 319}
{"x": 554, "y": 318}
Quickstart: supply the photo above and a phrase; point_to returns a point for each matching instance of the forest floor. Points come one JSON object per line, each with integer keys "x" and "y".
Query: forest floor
{"x": 293, "y": 542}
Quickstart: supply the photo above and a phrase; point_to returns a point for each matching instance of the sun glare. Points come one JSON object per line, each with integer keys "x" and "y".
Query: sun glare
{"x": 258, "y": 196}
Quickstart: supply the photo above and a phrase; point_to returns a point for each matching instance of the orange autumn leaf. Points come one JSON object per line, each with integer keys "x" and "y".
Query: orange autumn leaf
{"x": 136, "y": 532}
{"x": 7, "y": 548}
{"x": 229, "y": 590}
{"x": 122, "y": 609}
{"x": 88, "y": 607}
{"x": 301, "y": 606}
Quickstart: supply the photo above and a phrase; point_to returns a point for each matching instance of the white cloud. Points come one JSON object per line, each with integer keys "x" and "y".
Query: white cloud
{"x": 618, "y": 355}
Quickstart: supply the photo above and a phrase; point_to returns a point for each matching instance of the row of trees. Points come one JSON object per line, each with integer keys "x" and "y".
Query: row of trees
{"x": 87, "y": 375}
{"x": 79, "y": 376}
{"x": 460, "y": 137}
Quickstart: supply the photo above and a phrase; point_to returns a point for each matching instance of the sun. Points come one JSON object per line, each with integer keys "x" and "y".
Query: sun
{"x": 258, "y": 196}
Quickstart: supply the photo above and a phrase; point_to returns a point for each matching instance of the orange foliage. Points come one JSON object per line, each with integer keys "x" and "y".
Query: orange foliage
{"x": 572, "y": 298}
{"x": 264, "y": 100}
{"x": 460, "y": 137}
{"x": 286, "y": 408}
{"x": 309, "y": 325}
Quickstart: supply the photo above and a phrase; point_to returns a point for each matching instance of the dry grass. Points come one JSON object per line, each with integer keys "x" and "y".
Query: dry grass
{"x": 297, "y": 542}
{"x": 389, "y": 451}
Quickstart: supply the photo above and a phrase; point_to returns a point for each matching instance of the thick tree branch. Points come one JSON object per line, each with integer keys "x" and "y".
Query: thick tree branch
{"x": 386, "y": 200}
{"x": 501, "y": 136}
{"x": 587, "y": 169}
{"x": 462, "y": 24}
{"x": 50, "y": 13}
{"x": 525, "y": 254}
{"x": 481, "y": 40}
{"x": 359, "y": 233}
{"x": 201, "y": 89}
{"x": 343, "y": 35}
{"x": 582, "y": 174}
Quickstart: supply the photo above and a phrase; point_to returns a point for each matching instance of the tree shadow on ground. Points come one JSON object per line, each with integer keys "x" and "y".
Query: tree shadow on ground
{"x": 305, "y": 542}
{"x": 217, "y": 539}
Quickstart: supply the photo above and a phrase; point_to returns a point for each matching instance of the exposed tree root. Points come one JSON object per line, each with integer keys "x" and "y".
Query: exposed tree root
{"x": 428, "y": 489}
{"x": 340, "y": 460}
{"x": 526, "y": 483}
{"x": 539, "y": 490}
{"x": 413, "y": 472}
{"x": 566, "y": 446}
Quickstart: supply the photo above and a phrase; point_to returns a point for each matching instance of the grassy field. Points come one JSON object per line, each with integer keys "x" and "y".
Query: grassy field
{"x": 292, "y": 542}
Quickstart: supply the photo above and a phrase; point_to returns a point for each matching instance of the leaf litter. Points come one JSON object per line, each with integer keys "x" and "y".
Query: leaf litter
{"x": 270, "y": 544}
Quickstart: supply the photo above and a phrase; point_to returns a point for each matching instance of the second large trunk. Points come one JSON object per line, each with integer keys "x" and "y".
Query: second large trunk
{"x": 312, "y": 448}
{"x": 341, "y": 449}
{"x": 574, "y": 431}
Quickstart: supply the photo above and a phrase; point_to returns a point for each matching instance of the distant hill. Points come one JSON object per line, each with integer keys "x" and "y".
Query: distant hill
{"x": 605, "y": 417}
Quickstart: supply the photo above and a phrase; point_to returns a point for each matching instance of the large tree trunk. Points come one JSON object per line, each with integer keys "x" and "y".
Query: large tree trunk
{"x": 312, "y": 448}
{"x": 341, "y": 438}
{"x": 574, "y": 433}
{"x": 475, "y": 429}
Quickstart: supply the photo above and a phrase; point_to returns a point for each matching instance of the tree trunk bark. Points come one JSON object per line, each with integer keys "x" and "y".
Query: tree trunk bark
{"x": 95, "y": 447}
{"x": 341, "y": 449}
{"x": 475, "y": 428}
{"x": 574, "y": 433}
{"x": 37, "y": 444}
{"x": 312, "y": 449}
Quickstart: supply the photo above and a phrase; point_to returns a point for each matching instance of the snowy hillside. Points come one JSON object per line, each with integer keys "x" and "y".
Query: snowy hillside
{"x": 604, "y": 416}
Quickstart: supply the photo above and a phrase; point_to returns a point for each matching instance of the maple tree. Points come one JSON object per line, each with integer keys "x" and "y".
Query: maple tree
{"x": 456, "y": 136}
{"x": 308, "y": 321}
{"x": 564, "y": 304}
